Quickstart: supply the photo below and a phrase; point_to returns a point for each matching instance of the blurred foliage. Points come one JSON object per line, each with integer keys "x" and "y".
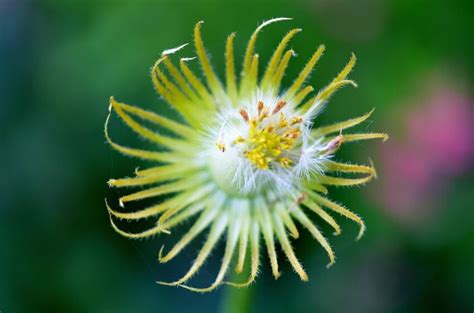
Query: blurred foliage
{"x": 61, "y": 60}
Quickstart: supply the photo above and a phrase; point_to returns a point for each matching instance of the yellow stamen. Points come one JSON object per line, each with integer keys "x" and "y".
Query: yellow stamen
{"x": 220, "y": 146}
{"x": 296, "y": 120}
{"x": 285, "y": 162}
{"x": 267, "y": 142}
{"x": 239, "y": 139}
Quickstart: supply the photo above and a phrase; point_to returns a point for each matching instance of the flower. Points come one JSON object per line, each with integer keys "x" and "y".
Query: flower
{"x": 435, "y": 149}
{"x": 246, "y": 160}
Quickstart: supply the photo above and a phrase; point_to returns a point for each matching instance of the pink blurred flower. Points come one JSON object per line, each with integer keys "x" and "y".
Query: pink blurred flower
{"x": 443, "y": 130}
{"x": 438, "y": 145}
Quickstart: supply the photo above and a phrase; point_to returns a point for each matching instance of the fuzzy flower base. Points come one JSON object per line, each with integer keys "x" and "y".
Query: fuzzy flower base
{"x": 246, "y": 163}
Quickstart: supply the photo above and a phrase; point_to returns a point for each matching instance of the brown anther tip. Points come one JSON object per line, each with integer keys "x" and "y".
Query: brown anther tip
{"x": 301, "y": 198}
{"x": 244, "y": 115}
{"x": 335, "y": 144}
{"x": 339, "y": 139}
{"x": 259, "y": 106}
{"x": 280, "y": 104}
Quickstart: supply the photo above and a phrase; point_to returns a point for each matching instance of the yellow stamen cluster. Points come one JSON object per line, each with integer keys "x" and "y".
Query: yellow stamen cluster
{"x": 267, "y": 141}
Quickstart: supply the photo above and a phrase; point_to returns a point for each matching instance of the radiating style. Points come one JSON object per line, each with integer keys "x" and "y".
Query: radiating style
{"x": 245, "y": 163}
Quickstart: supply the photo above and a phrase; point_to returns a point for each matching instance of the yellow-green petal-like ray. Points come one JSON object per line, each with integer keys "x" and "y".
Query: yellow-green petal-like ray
{"x": 182, "y": 83}
{"x": 340, "y": 181}
{"x": 165, "y": 173}
{"x": 276, "y": 57}
{"x": 249, "y": 83}
{"x": 183, "y": 215}
{"x": 177, "y": 168}
{"x": 179, "y": 201}
{"x": 267, "y": 231}
{"x": 161, "y": 190}
{"x": 341, "y": 210}
{"x": 176, "y": 92}
{"x": 147, "y": 233}
{"x": 338, "y": 127}
{"x": 197, "y": 84}
{"x": 216, "y": 231}
{"x": 324, "y": 215}
{"x": 365, "y": 136}
{"x": 145, "y": 132}
{"x": 212, "y": 80}
{"x": 255, "y": 255}
{"x": 231, "y": 80}
{"x": 332, "y": 166}
{"x": 327, "y": 92}
{"x": 286, "y": 246}
{"x": 346, "y": 70}
{"x": 279, "y": 72}
{"x": 183, "y": 104}
{"x": 253, "y": 39}
{"x": 306, "y": 222}
{"x": 233, "y": 231}
{"x": 311, "y": 104}
{"x": 301, "y": 95}
{"x": 203, "y": 221}
{"x": 299, "y": 81}
{"x": 314, "y": 185}
{"x": 175, "y": 127}
{"x": 244, "y": 237}
{"x": 166, "y": 157}
{"x": 168, "y": 95}
{"x": 286, "y": 218}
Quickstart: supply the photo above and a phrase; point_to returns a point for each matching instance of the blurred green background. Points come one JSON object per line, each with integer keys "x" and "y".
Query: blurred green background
{"x": 61, "y": 60}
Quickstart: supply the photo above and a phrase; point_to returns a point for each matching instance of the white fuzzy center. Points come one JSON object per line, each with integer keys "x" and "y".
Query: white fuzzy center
{"x": 264, "y": 145}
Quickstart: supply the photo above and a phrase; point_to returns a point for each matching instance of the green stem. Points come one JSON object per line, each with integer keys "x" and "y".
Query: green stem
{"x": 237, "y": 300}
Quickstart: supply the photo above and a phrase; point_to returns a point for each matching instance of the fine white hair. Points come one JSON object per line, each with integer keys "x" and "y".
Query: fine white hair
{"x": 239, "y": 170}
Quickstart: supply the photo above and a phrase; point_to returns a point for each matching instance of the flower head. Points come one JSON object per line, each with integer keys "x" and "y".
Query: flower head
{"x": 246, "y": 162}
